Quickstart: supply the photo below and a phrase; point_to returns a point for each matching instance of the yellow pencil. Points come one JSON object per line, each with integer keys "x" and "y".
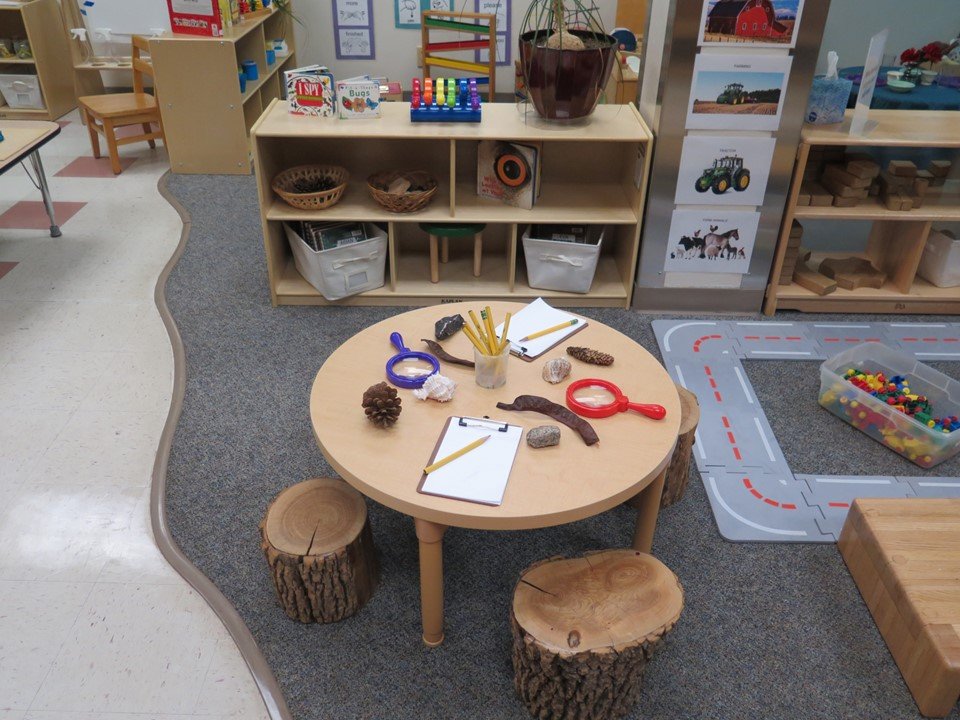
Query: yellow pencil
{"x": 506, "y": 329}
{"x": 454, "y": 455}
{"x": 487, "y": 317}
{"x": 541, "y": 333}
{"x": 481, "y": 333}
{"x": 468, "y": 331}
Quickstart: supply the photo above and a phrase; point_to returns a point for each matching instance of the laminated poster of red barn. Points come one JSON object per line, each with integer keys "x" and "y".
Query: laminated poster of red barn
{"x": 757, "y": 22}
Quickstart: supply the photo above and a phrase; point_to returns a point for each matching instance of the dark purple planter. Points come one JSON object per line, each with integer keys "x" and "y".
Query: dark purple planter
{"x": 566, "y": 84}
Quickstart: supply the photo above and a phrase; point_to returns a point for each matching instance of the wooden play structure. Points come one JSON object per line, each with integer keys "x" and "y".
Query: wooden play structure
{"x": 463, "y": 23}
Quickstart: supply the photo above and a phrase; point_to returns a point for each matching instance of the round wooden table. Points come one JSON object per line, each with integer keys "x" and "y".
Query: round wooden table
{"x": 549, "y": 486}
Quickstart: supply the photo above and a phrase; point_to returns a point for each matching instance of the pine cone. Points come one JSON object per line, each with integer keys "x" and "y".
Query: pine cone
{"x": 594, "y": 357}
{"x": 381, "y": 405}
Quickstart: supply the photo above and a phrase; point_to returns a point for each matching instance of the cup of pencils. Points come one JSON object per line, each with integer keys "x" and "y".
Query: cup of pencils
{"x": 490, "y": 353}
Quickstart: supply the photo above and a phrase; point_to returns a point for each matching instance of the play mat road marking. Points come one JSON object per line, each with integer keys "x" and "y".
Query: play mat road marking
{"x": 754, "y": 495}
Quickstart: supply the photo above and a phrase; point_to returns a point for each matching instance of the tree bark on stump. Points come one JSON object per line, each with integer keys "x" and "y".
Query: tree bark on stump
{"x": 584, "y": 630}
{"x": 678, "y": 473}
{"x": 318, "y": 545}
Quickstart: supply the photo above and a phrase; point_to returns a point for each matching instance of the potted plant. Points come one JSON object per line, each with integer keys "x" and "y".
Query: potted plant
{"x": 565, "y": 57}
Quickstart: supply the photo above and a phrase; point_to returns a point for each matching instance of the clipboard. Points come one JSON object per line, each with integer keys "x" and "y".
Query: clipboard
{"x": 534, "y": 317}
{"x": 480, "y": 476}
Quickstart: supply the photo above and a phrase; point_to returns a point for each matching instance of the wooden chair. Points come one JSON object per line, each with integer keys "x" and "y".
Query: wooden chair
{"x": 103, "y": 114}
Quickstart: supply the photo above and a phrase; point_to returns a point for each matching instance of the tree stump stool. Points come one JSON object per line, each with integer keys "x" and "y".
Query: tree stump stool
{"x": 677, "y": 474}
{"x": 585, "y": 628}
{"x": 317, "y": 541}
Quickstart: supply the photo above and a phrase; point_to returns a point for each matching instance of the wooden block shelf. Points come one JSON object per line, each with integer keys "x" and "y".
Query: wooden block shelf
{"x": 897, "y": 238}
{"x": 40, "y": 22}
{"x": 601, "y": 184}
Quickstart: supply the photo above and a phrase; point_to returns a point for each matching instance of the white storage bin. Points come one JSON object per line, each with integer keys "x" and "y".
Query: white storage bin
{"x": 559, "y": 265}
{"x": 343, "y": 271}
{"x": 21, "y": 90}
{"x": 940, "y": 263}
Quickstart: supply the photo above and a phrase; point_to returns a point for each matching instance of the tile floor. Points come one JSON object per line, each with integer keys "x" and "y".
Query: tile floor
{"x": 93, "y": 622}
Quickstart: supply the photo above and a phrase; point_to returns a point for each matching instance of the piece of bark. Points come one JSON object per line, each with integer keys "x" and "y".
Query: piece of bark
{"x": 317, "y": 542}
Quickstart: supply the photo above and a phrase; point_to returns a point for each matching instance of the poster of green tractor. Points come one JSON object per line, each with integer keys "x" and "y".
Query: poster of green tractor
{"x": 726, "y": 173}
{"x": 722, "y": 170}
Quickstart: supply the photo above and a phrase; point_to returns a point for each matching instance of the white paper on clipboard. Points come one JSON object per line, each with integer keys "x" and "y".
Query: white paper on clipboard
{"x": 481, "y": 475}
{"x": 535, "y": 317}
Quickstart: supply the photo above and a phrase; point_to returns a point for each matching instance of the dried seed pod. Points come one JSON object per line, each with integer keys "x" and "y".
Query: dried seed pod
{"x": 437, "y": 349}
{"x": 588, "y": 355}
{"x": 556, "y": 370}
{"x": 535, "y": 403}
{"x": 381, "y": 405}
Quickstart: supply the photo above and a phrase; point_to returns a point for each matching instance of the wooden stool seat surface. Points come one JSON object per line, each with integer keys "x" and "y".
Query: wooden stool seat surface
{"x": 904, "y": 555}
{"x": 611, "y": 599}
{"x": 119, "y": 105}
{"x": 453, "y": 230}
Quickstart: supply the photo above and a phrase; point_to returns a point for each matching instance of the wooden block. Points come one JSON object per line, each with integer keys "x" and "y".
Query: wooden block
{"x": 940, "y": 168}
{"x": 925, "y": 175}
{"x": 845, "y": 202}
{"x": 836, "y": 172}
{"x": 796, "y": 230}
{"x": 853, "y": 272}
{"x": 920, "y": 186}
{"x": 838, "y": 188}
{"x": 906, "y": 201}
{"x": 813, "y": 281}
{"x": 937, "y": 181}
{"x": 856, "y": 156}
{"x": 819, "y": 196}
{"x": 902, "y": 168}
{"x": 803, "y": 199}
{"x": 874, "y": 189}
{"x": 863, "y": 169}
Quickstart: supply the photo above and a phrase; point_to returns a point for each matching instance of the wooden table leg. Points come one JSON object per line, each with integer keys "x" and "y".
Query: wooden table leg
{"x": 434, "y": 260}
{"x": 445, "y": 250}
{"x": 647, "y": 511}
{"x": 477, "y": 253}
{"x": 430, "y": 536}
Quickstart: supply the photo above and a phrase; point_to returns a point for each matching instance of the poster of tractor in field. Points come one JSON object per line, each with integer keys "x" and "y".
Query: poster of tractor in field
{"x": 745, "y": 92}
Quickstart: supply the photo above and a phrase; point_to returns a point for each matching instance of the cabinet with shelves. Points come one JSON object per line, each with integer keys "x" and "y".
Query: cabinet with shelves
{"x": 897, "y": 238}
{"x": 592, "y": 173}
{"x": 39, "y": 21}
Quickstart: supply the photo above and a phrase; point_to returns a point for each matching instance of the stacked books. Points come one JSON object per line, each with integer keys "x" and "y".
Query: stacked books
{"x": 331, "y": 235}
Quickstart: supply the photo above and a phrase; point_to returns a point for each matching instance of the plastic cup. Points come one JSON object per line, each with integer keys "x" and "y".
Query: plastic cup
{"x": 491, "y": 370}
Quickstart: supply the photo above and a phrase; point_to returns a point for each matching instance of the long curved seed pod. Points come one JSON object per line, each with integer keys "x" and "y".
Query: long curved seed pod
{"x": 438, "y": 350}
{"x": 535, "y": 403}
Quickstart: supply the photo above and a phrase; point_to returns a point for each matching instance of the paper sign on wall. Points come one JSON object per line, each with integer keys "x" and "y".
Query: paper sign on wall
{"x": 353, "y": 29}
{"x": 500, "y": 9}
{"x": 406, "y": 13}
{"x": 704, "y": 241}
{"x": 871, "y": 71}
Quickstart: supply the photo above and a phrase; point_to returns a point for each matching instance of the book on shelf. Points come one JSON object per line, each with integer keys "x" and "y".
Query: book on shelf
{"x": 310, "y": 91}
{"x": 509, "y": 172}
{"x": 331, "y": 235}
{"x": 359, "y": 98}
{"x": 578, "y": 234}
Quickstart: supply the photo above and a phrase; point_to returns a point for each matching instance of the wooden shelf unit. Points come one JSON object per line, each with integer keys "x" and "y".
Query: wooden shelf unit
{"x": 592, "y": 173}
{"x": 39, "y": 21}
{"x": 207, "y": 120}
{"x": 897, "y": 238}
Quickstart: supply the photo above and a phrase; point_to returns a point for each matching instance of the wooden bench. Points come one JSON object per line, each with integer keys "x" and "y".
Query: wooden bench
{"x": 904, "y": 556}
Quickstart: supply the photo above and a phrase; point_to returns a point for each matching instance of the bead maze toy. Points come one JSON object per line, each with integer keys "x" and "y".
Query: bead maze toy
{"x": 448, "y": 101}
{"x": 466, "y": 24}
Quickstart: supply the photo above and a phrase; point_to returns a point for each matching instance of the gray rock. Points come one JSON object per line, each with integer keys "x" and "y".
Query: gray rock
{"x": 447, "y": 326}
{"x": 543, "y": 436}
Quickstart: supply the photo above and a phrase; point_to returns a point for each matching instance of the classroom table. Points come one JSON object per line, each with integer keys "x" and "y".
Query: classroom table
{"x": 547, "y": 487}
{"x": 922, "y": 97}
{"x": 23, "y": 139}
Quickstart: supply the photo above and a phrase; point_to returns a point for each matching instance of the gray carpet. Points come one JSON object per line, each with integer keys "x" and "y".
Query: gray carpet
{"x": 769, "y": 631}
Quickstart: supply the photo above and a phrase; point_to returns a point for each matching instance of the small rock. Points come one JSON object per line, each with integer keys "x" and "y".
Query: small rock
{"x": 556, "y": 370}
{"x": 543, "y": 436}
{"x": 447, "y": 326}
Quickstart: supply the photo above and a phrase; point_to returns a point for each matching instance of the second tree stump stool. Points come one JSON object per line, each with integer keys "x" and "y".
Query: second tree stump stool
{"x": 584, "y": 630}
{"x": 317, "y": 541}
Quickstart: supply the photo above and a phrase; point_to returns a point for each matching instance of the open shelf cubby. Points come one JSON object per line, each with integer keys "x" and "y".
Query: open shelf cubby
{"x": 593, "y": 172}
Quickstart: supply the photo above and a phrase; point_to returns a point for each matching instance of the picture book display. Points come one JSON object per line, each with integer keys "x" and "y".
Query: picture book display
{"x": 310, "y": 91}
{"x": 198, "y": 17}
{"x": 751, "y": 23}
{"x": 534, "y": 318}
{"x": 738, "y": 92}
{"x": 359, "y": 98}
{"x": 725, "y": 170}
{"x": 711, "y": 241}
{"x": 481, "y": 474}
{"x": 509, "y": 172}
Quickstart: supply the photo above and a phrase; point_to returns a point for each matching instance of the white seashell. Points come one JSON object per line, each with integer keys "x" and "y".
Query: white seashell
{"x": 556, "y": 370}
{"x": 436, "y": 387}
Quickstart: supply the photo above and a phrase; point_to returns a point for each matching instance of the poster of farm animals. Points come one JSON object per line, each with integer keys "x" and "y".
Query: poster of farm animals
{"x": 738, "y": 92}
{"x": 751, "y": 23}
{"x": 716, "y": 243}
{"x": 724, "y": 170}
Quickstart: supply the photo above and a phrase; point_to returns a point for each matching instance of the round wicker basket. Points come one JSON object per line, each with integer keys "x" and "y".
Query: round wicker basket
{"x": 405, "y": 202}
{"x": 285, "y": 185}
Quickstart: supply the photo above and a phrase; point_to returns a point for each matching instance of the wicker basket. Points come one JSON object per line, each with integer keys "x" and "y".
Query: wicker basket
{"x": 283, "y": 185}
{"x": 405, "y": 202}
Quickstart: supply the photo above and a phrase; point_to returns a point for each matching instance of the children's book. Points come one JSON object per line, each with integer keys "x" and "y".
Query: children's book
{"x": 196, "y": 17}
{"x": 359, "y": 98}
{"x": 310, "y": 91}
{"x": 509, "y": 172}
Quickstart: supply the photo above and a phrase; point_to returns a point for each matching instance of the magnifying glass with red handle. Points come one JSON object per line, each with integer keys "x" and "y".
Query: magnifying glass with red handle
{"x": 595, "y": 398}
